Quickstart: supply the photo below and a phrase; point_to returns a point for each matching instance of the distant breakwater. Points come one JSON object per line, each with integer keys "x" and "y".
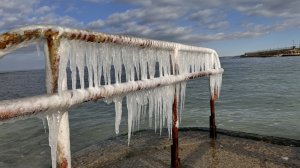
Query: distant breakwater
{"x": 279, "y": 52}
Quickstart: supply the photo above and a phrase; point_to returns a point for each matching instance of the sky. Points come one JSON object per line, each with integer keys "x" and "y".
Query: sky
{"x": 231, "y": 27}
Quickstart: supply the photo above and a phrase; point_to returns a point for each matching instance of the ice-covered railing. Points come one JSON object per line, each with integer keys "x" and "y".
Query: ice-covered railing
{"x": 155, "y": 78}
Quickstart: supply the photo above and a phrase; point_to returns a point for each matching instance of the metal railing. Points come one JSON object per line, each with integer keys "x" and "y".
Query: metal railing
{"x": 58, "y": 98}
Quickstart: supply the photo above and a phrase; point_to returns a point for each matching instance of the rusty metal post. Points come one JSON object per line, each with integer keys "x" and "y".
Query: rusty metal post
{"x": 175, "y": 161}
{"x": 63, "y": 154}
{"x": 212, "y": 121}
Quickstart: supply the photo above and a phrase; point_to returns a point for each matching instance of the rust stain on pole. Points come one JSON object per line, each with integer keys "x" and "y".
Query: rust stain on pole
{"x": 62, "y": 164}
{"x": 11, "y": 39}
{"x": 61, "y": 161}
{"x": 175, "y": 161}
{"x": 7, "y": 39}
{"x": 212, "y": 120}
{"x": 53, "y": 44}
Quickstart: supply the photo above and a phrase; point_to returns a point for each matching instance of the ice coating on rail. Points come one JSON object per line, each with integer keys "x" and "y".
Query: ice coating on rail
{"x": 191, "y": 61}
{"x": 101, "y": 60}
{"x": 104, "y": 58}
{"x": 215, "y": 85}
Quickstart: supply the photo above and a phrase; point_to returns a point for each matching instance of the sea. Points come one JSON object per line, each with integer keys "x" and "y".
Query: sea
{"x": 258, "y": 95}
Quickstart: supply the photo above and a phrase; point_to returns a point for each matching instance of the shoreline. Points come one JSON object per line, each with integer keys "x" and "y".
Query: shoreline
{"x": 266, "y": 56}
{"x": 231, "y": 148}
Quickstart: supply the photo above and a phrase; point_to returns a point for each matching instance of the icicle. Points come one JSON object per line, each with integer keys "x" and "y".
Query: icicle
{"x": 117, "y": 62}
{"x": 152, "y": 60}
{"x": 64, "y": 52}
{"x": 38, "y": 50}
{"x": 118, "y": 110}
{"x": 136, "y": 60}
{"x": 95, "y": 66}
{"x": 99, "y": 53}
{"x": 160, "y": 103}
{"x": 143, "y": 63}
{"x": 73, "y": 64}
{"x": 182, "y": 98}
{"x": 53, "y": 124}
{"x": 160, "y": 62}
{"x": 130, "y": 115}
{"x": 215, "y": 82}
{"x": 80, "y": 61}
{"x": 44, "y": 120}
{"x": 151, "y": 108}
{"x": 106, "y": 63}
{"x": 89, "y": 64}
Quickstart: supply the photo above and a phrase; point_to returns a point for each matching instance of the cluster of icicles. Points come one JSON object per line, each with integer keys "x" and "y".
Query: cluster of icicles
{"x": 101, "y": 59}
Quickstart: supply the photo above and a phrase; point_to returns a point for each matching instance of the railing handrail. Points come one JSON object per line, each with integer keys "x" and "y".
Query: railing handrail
{"x": 30, "y": 34}
{"x": 34, "y": 105}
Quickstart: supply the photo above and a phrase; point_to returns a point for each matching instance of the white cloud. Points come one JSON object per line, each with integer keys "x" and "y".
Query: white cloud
{"x": 16, "y": 13}
{"x": 97, "y": 24}
{"x": 43, "y": 10}
{"x": 17, "y": 6}
{"x": 206, "y": 15}
{"x": 98, "y": 1}
{"x": 269, "y": 8}
{"x": 203, "y": 20}
{"x": 219, "y": 25}
{"x": 190, "y": 21}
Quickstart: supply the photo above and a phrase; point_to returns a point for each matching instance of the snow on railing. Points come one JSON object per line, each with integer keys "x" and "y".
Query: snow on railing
{"x": 144, "y": 88}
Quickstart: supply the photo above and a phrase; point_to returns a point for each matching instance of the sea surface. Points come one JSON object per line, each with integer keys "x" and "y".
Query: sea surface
{"x": 259, "y": 95}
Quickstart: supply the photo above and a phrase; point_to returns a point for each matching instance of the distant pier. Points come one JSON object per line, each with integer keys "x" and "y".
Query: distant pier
{"x": 280, "y": 52}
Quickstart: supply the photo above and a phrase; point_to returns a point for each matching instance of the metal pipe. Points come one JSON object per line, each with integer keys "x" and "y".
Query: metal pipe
{"x": 175, "y": 161}
{"x": 37, "y": 104}
{"x": 28, "y": 35}
{"x": 63, "y": 153}
{"x": 212, "y": 121}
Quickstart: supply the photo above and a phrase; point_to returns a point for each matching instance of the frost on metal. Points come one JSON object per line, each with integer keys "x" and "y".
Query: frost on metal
{"x": 154, "y": 71}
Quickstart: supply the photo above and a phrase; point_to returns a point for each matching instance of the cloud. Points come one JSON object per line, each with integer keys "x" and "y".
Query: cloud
{"x": 43, "y": 10}
{"x": 196, "y": 21}
{"x": 16, "y": 6}
{"x": 15, "y": 13}
{"x": 205, "y": 16}
{"x": 97, "y": 1}
{"x": 219, "y": 25}
{"x": 97, "y": 24}
{"x": 190, "y": 21}
{"x": 270, "y": 8}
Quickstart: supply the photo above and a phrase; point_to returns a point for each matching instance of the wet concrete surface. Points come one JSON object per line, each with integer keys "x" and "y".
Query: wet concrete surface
{"x": 196, "y": 149}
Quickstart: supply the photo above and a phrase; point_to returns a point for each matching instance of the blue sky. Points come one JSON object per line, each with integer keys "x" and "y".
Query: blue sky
{"x": 231, "y": 27}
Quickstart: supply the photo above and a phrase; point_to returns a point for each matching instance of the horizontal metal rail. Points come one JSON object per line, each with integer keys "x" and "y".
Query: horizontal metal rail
{"x": 28, "y": 35}
{"x": 10, "y": 109}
